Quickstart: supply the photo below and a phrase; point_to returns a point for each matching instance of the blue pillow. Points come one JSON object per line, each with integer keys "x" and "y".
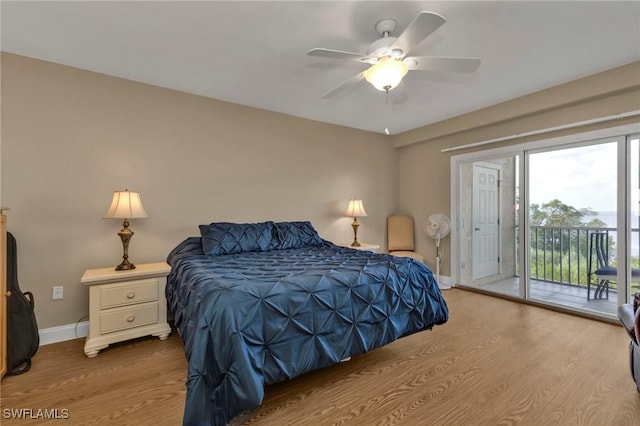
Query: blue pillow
{"x": 296, "y": 235}
{"x": 221, "y": 238}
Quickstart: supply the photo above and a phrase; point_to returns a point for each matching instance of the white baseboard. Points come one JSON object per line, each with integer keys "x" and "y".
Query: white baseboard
{"x": 63, "y": 332}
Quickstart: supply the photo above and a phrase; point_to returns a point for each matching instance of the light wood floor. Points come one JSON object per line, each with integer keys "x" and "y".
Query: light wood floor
{"x": 495, "y": 362}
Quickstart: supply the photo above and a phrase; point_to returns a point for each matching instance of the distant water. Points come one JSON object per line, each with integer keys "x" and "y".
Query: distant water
{"x": 611, "y": 219}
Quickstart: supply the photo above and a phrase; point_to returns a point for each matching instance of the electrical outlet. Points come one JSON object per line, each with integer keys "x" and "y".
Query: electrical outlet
{"x": 56, "y": 293}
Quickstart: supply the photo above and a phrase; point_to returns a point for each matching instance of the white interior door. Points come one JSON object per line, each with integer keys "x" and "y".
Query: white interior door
{"x": 486, "y": 226}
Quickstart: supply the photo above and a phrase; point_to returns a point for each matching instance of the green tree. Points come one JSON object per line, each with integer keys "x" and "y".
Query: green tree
{"x": 558, "y": 242}
{"x": 557, "y": 213}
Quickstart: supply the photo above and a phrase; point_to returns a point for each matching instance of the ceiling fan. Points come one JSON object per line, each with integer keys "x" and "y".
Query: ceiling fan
{"x": 388, "y": 55}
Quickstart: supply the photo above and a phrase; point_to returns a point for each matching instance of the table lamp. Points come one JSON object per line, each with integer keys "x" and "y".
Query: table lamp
{"x": 125, "y": 205}
{"x": 355, "y": 210}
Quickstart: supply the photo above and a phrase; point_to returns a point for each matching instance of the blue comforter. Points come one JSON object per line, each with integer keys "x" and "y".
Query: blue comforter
{"x": 255, "y": 318}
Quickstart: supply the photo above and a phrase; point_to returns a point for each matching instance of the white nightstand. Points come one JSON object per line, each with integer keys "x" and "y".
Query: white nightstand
{"x": 363, "y": 246}
{"x": 124, "y": 305}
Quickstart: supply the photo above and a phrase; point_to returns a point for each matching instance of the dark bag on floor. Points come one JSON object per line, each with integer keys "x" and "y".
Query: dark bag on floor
{"x": 22, "y": 330}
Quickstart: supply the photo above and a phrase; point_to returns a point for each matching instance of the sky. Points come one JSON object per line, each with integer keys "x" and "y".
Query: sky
{"x": 583, "y": 177}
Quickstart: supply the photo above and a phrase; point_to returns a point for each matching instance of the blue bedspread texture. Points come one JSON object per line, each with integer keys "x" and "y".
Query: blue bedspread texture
{"x": 251, "y": 318}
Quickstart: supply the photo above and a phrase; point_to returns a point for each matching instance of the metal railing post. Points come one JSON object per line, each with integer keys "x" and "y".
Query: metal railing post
{"x": 574, "y": 254}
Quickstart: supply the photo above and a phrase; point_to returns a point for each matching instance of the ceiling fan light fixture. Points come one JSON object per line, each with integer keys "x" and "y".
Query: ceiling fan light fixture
{"x": 386, "y": 74}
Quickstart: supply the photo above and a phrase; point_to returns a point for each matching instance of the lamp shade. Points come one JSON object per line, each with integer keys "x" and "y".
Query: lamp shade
{"x": 356, "y": 209}
{"x": 386, "y": 74}
{"x": 125, "y": 205}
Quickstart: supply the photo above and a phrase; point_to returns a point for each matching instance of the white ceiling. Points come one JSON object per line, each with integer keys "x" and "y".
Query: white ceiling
{"x": 254, "y": 53}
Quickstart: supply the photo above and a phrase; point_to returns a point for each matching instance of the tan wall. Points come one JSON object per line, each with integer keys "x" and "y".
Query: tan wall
{"x": 424, "y": 178}
{"x": 71, "y": 137}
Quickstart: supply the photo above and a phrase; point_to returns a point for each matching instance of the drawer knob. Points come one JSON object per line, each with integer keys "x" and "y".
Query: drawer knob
{"x": 131, "y": 317}
{"x": 131, "y": 295}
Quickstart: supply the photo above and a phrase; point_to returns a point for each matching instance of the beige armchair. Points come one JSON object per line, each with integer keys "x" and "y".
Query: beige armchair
{"x": 400, "y": 237}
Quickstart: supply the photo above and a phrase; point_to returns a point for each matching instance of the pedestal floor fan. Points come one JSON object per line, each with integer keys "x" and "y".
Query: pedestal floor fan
{"x": 438, "y": 227}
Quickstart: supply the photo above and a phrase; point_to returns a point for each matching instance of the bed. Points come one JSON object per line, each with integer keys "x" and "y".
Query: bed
{"x": 261, "y": 303}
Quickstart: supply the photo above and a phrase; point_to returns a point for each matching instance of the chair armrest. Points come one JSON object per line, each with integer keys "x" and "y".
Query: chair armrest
{"x": 627, "y": 317}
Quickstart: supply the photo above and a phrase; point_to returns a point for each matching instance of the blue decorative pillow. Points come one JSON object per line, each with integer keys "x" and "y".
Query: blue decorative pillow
{"x": 295, "y": 235}
{"x": 220, "y": 238}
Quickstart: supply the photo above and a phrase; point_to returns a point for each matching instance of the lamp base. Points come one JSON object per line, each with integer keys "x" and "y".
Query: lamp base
{"x": 125, "y": 235}
{"x": 355, "y": 225}
{"x": 125, "y": 266}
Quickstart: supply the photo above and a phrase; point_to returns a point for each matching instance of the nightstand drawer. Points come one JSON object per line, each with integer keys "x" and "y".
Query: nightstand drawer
{"x": 128, "y": 317}
{"x": 129, "y": 293}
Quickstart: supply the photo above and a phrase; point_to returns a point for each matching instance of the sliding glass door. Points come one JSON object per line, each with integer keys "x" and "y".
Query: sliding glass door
{"x": 633, "y": 216}
{"x": 556, "y": 222}
{"x": 487, "y": 220}
{"x": 573, "y": 232}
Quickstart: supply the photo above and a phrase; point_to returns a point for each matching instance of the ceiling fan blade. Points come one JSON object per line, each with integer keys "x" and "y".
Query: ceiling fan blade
{"x": 423, "y": 25}
{"x": 339, "y": 54}
{"x": 343, "y": 86}
{"x": 442, "y": 63}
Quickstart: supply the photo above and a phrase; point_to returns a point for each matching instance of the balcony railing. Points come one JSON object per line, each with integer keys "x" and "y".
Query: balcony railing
{"x": 561, "y": 254}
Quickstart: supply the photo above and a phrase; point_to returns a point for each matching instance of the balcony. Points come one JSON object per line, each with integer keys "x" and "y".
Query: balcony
{"x": 559, "y": 259}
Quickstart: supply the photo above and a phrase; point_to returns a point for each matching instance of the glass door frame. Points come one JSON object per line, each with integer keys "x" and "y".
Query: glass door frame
{"x": 478, "y": 157}
{"x": 625, "y": 182}
{"x": 617, "y": 139}
{"x": 522, "y": 150}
